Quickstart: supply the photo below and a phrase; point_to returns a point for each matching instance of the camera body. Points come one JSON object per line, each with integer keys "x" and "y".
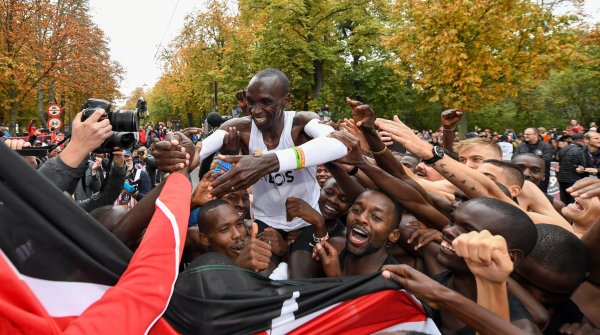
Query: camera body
{"x": 124, "y": 124}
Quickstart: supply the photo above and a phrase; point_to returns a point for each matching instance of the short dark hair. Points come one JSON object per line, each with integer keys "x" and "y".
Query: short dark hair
{"x": 273, "y": 72}
{"x": 529, "y": 154}
{"x": 559, "y": 250}
{"x": 203, "y": 215}
{"x": 517, "y": 228}
{"x": 512, "y": 171}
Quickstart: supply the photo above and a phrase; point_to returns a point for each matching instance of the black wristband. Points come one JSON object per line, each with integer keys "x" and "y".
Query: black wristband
{"x": 353, "y": 171}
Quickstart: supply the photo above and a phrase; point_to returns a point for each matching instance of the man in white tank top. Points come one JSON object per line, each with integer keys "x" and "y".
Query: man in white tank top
{"x": 282, "y": 150}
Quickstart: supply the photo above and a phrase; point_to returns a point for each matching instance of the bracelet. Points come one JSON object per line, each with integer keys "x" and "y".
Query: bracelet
{"x": 382, "y": 151}
{"x": 445, "y": 129}
{"x": 300, "y": 159}
{"x": 320, "y": 239}
{"x": 353, "y": 171}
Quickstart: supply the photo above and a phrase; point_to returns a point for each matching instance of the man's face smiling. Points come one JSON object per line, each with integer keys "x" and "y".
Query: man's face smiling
{"x": 533, "y": 167}
{"x": 467, "y": 218}
{"x": 266, "y": 99}
{"x": 371, "y": 223}
{"x": 239, "y": 199}
{"x": 332, "y": 202}
{"x": 226, "y": 233}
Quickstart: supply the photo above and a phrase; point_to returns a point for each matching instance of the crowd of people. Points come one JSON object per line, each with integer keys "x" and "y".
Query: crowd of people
{"x": 465, "y": 225}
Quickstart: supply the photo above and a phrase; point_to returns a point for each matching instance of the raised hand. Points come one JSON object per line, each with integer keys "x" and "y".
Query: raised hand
{"x": 362, "y": 114}
{"x": 231, "y": 142}
{"x": 451, "y": 117}
{"x": 585, "y": 188}
{"x": 170, "y": 156}
{"x": 402, "y": 134}
{"x": 256, "y": 254}
{"x": 328, "y": 256}
{"x": 354, "y": 156}
{"x": 485, "y": 254}
{"x": 202, "y": 194}
{"x": 349, "y": 126}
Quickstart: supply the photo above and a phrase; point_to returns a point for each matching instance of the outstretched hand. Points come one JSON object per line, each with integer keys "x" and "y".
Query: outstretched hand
{"x": 245, "y": 172}
{"x": 202, "y": 194}
{"x": 402, "y": 134}
{"x": 231, "y": 142}
{"x": 451, "y": 117}
{"x": 362, "y": 114}
{"x": 485, "y": 254}
{"x": 349, "y": 126}
{"x": 354, "y": 156}
{"x": 585, "y": 188}
{"x": 170, "y": 156}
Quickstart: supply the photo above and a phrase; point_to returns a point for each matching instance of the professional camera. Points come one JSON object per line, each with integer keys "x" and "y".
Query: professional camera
{"x": 124, "y": 123}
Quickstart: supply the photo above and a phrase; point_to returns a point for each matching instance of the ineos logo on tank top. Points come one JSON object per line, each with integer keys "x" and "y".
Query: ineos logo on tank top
{"x": 279, "y": 178}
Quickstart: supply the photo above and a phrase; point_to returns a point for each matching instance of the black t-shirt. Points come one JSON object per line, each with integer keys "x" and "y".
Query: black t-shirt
{"x": 516, "y": 308}
{"x": 567, "y": 312}
{"x": 390, "y": 260}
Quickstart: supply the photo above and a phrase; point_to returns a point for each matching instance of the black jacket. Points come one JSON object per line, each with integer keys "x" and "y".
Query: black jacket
{"x": 569, "y": 158}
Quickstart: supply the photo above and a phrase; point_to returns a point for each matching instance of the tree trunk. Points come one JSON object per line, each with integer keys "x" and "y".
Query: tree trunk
{"x": 12, "y": 116}
{"x": 318, "y": 77}
{"x": 463, "y": 126}
{"x": 40, "y": 102}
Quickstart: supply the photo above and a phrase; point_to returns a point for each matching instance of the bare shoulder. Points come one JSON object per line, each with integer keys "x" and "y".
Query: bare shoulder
{"x": 302, "y": 118}
{"x": 242, "y": 123}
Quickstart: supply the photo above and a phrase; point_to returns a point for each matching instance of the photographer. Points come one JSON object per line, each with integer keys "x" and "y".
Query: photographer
{"x": 149, "y": 163}
{"x": 137, "y": 184}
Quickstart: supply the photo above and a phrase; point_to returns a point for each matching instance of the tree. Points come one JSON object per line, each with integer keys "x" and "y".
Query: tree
{"x": 51, "y": 44}
{"x": 471, "y": 53}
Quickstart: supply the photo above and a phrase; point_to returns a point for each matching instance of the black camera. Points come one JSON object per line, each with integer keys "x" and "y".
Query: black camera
{"x": 124, "y": 123}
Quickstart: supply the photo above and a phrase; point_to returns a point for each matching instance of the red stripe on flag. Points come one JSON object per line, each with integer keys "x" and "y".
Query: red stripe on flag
{"x": 366, "y": 315}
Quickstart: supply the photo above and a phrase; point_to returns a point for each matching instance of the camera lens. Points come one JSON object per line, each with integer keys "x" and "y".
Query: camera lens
{"x": 124, "y": 120}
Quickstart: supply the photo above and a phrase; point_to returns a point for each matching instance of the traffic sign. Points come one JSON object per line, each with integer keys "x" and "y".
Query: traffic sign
{"x": 54, "y": 123}
{"x": 54, "y": 110}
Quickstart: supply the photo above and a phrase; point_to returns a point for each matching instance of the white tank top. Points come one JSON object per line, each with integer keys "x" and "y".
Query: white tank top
{"x": 271, "y": 191}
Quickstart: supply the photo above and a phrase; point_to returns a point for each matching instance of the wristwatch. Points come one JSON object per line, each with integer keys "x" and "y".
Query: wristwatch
{"x": 438, "y": 153}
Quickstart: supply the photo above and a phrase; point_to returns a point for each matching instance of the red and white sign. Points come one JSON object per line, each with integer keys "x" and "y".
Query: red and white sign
{"x": 54, "y": 110}
{"x": 54, "y": 123}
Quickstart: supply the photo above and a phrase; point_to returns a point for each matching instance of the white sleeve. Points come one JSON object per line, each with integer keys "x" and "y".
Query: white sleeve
{"x": 212, "y": 143}
{"x": 314, "y": 152}
{"x": 314, "y": 128}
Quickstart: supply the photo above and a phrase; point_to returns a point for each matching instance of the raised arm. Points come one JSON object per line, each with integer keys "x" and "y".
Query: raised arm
{"x": 450, "y": 118}
{"x": 441, "y": 297}
{"x": 142, "y": 293}
{"x": 397, "y": 189}
{"x": 472, "y": 183}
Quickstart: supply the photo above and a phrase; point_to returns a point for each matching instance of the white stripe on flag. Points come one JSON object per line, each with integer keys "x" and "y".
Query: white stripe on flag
{"x": 287, "y": 311}
{"x": 62, "y": 298}
{"x": 175, "y": 227}
{"x": 282, "y": 329}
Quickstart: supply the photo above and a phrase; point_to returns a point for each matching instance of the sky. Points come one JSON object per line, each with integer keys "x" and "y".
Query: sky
{"x": 135, "y": 29}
